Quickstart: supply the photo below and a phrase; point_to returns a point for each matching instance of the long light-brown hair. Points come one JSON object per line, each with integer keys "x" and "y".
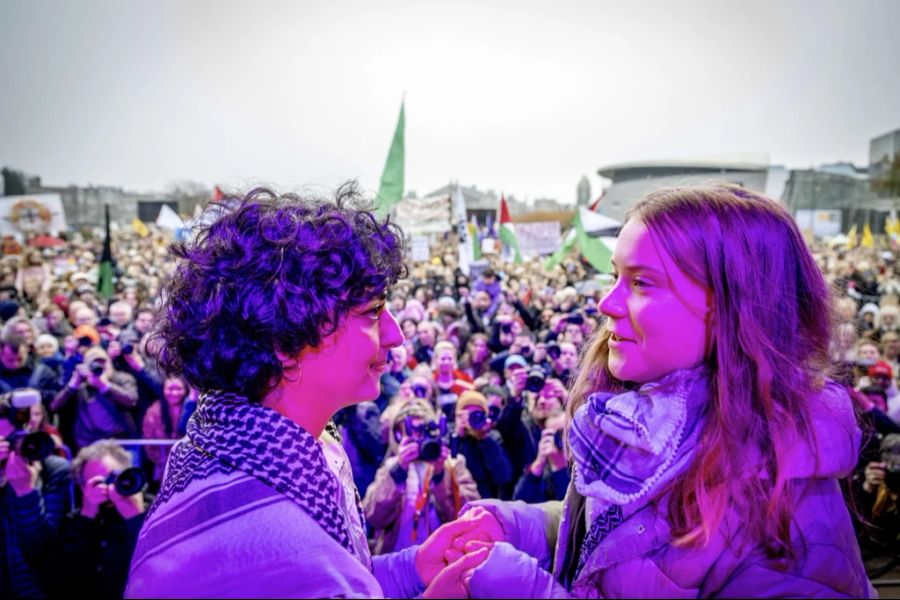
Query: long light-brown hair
{"x": 767, "y": 353}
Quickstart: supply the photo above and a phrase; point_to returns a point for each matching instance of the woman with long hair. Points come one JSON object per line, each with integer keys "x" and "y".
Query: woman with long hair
{"x": 706, "y": 440}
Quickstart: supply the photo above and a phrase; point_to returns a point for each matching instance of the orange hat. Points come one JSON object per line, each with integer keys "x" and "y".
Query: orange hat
{"x": 88, "y": 332}
{"x": 471, "y": 398}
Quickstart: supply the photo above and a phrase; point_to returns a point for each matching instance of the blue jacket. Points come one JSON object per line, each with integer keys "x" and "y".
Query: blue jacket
{"x": 29, "y": 526}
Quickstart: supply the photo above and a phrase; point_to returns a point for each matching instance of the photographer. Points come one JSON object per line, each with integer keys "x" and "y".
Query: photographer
{"x": 34, "y": 496}
{"x": 482, "y": 446}
{"x": 19, "y": 368}
{"x": 547, "y": 477}
{"x": 877, "y": 502}
{"x": 419, "y": 486}
{"x": 103, "y": 397}
{"x": 97, "y": 541}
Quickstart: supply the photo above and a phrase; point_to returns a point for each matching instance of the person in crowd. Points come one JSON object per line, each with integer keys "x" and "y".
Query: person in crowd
{"x": 34, "y": 497}
{"x": 364, "y": 441}
{"x": 96, "y": 542}
{"x": 707, "y": 443}
{"x": 19, "y": 368}
{"x": 449, "y": 380}
{"x": 482, "y": 446}
{"x": 396, "y": 374}
{"x": 548, "y": 475}
{"x": 426, "y": 338}
{"x": 476, "y": 359}
{"x": 419, "y": 486}
{"x": 877, "y": 496}
{"x": 161, "y": 422}
{"x": 276, "y": 314}
{"x": 103, "y": 398}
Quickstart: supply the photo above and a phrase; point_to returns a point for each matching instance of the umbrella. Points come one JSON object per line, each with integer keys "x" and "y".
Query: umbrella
{"x": 46, "y": 241}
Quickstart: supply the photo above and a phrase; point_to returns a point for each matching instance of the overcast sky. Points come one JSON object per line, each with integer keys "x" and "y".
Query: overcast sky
{"x": 524, "y": 97}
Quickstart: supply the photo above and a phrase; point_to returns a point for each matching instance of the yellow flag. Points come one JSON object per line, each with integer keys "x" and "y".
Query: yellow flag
{"x": 140, "y": 228}
{"x": 851, "y": 235}
{"x": 867, "y": 240}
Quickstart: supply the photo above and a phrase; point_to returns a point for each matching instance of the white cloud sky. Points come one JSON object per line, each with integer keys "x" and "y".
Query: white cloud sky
{"x": 524, "y": 97}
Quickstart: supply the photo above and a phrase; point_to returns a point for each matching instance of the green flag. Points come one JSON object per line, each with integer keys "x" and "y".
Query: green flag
{"x": 391, "y": 189}
{"x": 567, "y": 245}
{"x": 105, "y": 281}
{"x": 592, "y": 248}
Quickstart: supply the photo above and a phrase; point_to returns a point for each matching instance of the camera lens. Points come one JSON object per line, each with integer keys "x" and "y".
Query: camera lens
{"x": 129, "y": 482}
{"x": 420, "y": 391}
{"x": 429, "y": 449}
{"x": 553, "y": 351}
{"x": 477, "y": 419}
{"x": 127, "y": 348}
{"x": 536, "y": 380}
{"x": 36, "y": 446}
{"x": 85, "y": 341}
{"x": 506, "y": 327}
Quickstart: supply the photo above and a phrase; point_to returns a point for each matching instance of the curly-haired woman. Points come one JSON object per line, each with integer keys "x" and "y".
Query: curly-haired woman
{"x": 276, "y": 315}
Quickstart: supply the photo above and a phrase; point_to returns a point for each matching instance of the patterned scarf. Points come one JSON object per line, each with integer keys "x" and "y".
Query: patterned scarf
{"x": 227, "y": 433}
{"x": 627, "y": 446}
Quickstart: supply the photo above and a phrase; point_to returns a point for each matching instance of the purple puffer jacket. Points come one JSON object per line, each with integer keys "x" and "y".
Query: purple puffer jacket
{"x": 638, "y": 560}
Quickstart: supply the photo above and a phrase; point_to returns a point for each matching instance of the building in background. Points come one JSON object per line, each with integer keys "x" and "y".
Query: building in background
{"x": 634, "y": 180}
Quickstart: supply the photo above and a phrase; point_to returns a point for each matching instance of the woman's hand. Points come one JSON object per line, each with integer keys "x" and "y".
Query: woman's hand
{"x": 874, "y": 476}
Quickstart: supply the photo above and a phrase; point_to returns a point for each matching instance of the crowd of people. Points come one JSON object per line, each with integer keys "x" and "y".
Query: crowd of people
{"x": 472, "y": 404}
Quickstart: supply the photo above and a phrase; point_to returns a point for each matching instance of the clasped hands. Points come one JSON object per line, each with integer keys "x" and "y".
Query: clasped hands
{"x": 446, "y": 560}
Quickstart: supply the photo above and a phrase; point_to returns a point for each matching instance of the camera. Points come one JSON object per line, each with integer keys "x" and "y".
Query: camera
{"x": 478, "y": 419}
{"x": 506, "y": 327}
{"x": 85, "y": 341}
{"x": 97, "y": 367}
{"x": 432, "y": 440}
{"x": 527, "y": 351}
{"x": 15, "y": 407}
{"x": 127, "y": 349}
{"x": 558, "y": 440}
{"x": 553, "y": 350}
{"x": 892, "y": 477}
{"x": 536, "y": 380}
{"x": 420, "y": 391}
{"x": 128, "y": 482}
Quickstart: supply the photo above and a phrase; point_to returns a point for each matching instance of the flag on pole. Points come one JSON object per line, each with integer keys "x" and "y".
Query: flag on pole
{"x": 105, "y": 280}
{"x": 217, "y": 194}
{"x": 508, "y": 232}
{"x": 462, "y": 230}
{"x": 596, "y": 203}
{"x": 390, "y": 192}
{"x": 867, "y": 240}
{"x": 139, "y": 227}
{"x": 475, "y": 237}
{"x": 594, "y": 234}
{"x": 592, "y": 248}
{"x": 851, "y": 237}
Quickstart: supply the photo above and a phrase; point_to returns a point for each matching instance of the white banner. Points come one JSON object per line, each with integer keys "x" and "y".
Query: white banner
{"x": 38, "y": 213}
{"x": 423, "y": 215}
{"x": 538, "y": 239}
{"x": 419, "y": 249}
{"x": 822, "y": 223}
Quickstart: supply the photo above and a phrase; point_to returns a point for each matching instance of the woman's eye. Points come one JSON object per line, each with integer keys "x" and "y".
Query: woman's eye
{"x": 374, "y": 312}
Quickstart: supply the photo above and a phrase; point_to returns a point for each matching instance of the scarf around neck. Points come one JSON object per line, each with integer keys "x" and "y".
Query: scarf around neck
{"x": 227, "y": 432}
{"x": 627, "y": 446}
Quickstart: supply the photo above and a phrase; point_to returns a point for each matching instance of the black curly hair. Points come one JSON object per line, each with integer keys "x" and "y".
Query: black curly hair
{"x": 270, "y": 273}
